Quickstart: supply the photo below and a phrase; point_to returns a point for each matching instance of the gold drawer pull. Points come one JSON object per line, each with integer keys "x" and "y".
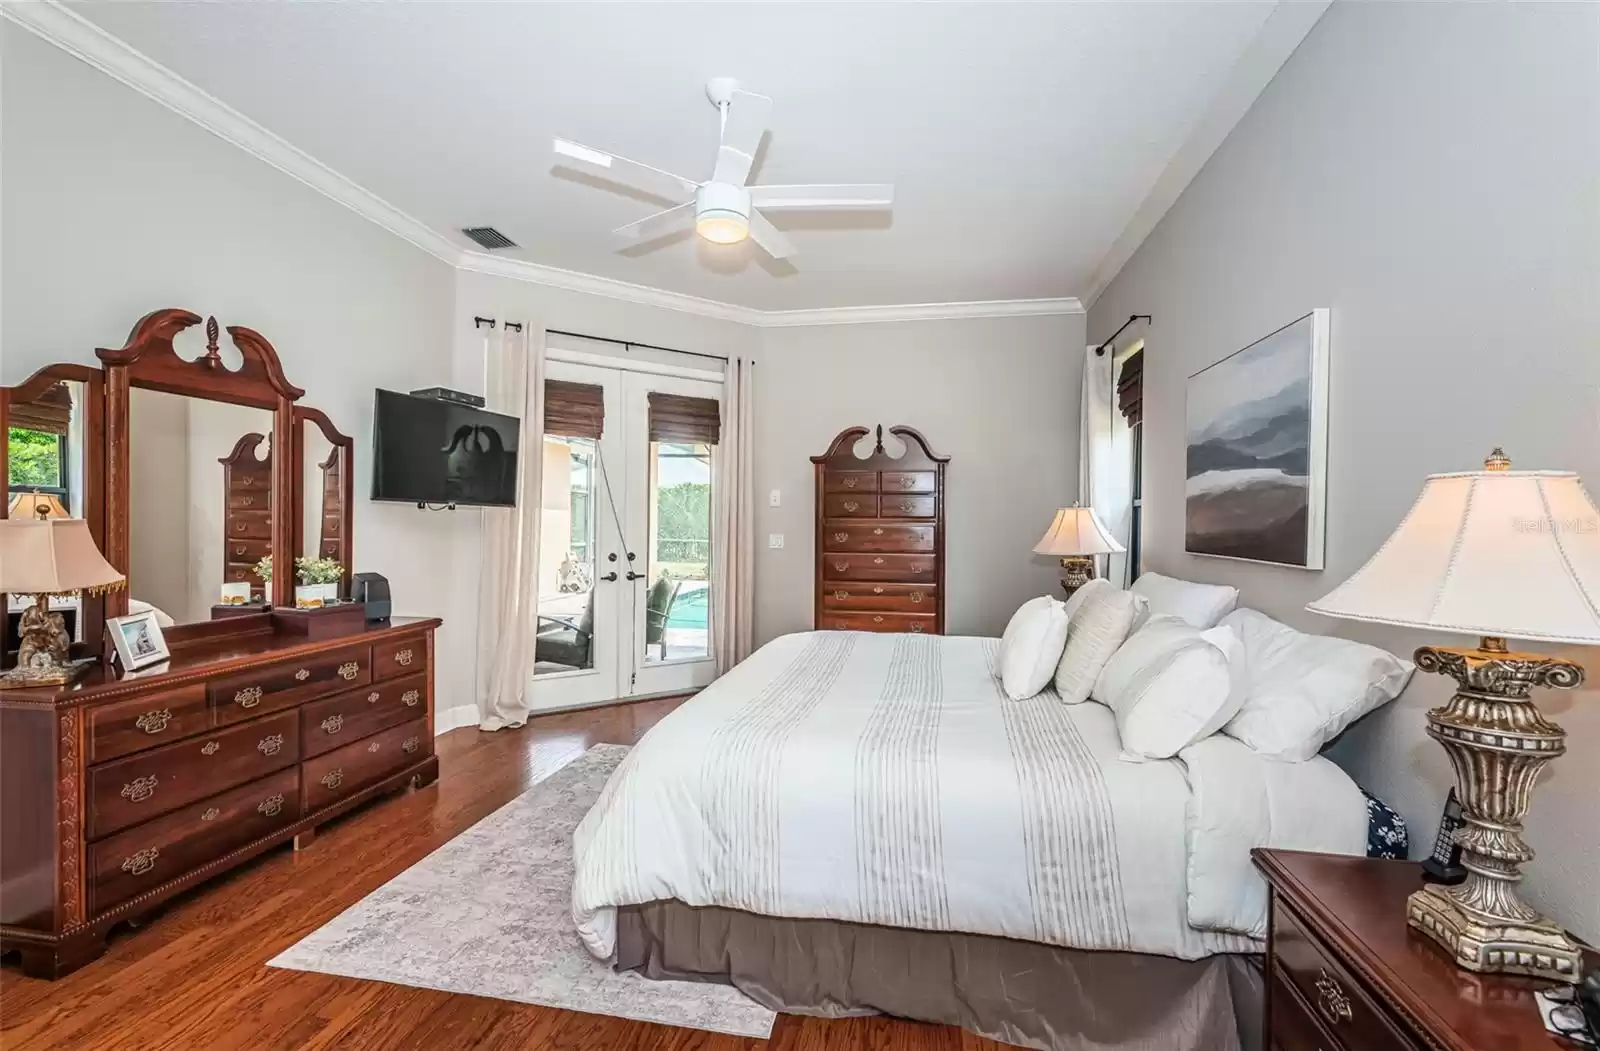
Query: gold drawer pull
{"x": 403, "y": 658}
{"x": 246, "y": 480}
{"x": 332, "y": 724}
{"x": 141, "y": 861}
{"x": 908, "y": 508}
{"x": 877, "y": 591}
{"x": 849, "y": 483}
{"x": 139, "y": 789}
{"x": 877, "y": 532}
{"x": 908, "y": 483}
{"x": 270, "y": 744}
{"x": 916, "y": 629}
{"x": 916, "y": 596}
{"x": 210, "y": 748}
{"x": 372, "y": 698}
{"x": 877, "y": 561}
{"x": 248, "y": 697}
{"x": 271, "y": 806}
{"x": 240, "y": 550}
{"x": 841, "y": 595}
{"x": 211, "y": 814}
{"x": 302, "y": 675}
{"x": 877, "y": 620}
{"x": 410, "y": 745}
{"x": 349, "y": 670}
{"x": 248, "y": 501}
{"x": 373, "y": 747}
{"x": 154, "y": 722}
{"x": 411, "y": 697}
{"x": 840, "y": 567}
{"x": 1332, "y": 1001}
{"x": 852, "y": 506}
{"x": 840, "y": 538}
{"x": 333, "y": 778}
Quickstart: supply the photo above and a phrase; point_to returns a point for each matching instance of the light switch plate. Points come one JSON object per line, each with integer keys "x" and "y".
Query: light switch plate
{"x": 775, "y": 540}
{"x": 775, "y": 499}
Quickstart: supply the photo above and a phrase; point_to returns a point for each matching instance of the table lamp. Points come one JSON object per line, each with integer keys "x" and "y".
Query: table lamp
{"x": 1077, "y": 535}
{"x": 1495, "y": 553}
{"x": 44, "y": 557}
{"x": 37, "y": 505}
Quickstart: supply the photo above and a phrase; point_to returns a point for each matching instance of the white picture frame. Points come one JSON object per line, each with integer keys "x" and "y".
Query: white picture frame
{"x": 138, "y": 640}
{"x": 1243, "y": 499}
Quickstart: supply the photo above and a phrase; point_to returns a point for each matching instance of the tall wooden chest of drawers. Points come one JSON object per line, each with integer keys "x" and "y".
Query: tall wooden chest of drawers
{"x": 119, "y": 792}
{"x": 880, "y": 535}
{"x": 247, "y": 513}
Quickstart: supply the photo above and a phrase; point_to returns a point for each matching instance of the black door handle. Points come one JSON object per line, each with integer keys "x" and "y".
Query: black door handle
{"x": 610, "y": 576}
{"x": 633, "y": 576}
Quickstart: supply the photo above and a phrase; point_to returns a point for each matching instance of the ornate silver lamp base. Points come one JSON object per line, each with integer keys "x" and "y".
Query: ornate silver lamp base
{"x": 1498, "y": 742}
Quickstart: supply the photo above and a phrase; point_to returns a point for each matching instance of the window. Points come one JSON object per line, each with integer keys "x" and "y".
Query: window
{"x": 38, "y": 462}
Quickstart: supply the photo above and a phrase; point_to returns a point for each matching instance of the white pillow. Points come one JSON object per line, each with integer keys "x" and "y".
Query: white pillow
{"x": 1096, "y": 628}
{"x": 1303, "y": 690}
{"x": 1171, "y": 685}
{"x": 1202, "y": 605}
{"x": 1031, "y": 646}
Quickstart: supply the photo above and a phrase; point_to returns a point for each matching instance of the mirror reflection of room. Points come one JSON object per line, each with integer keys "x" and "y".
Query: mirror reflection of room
{"x": 45, "y": 441}
{"x": 322, "y": 483}
{"x": 200, "y": 502}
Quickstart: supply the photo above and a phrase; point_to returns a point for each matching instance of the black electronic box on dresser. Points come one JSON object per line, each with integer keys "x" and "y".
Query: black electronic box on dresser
{"x": 880, "y": 535}
{"x": 263, "y": 721}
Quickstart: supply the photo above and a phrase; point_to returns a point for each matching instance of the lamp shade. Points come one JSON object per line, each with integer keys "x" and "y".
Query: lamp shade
{"x": 1077, "y": 531}
{"x": 37, "y": 505}
{"x": 1495, "y": 552}
{"x": 52, "y": 556}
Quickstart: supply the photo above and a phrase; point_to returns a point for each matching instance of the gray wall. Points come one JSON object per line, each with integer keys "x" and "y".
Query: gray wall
{"x": 999, "y": 396}
{"x": 1429, "y": 172}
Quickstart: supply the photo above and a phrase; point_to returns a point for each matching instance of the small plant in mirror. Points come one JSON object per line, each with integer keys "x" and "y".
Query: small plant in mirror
{"x": 317, "y": 570}
{"x": 263, "y": 568}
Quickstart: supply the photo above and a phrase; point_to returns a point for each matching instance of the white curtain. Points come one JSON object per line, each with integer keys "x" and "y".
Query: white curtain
{"x": 733, "y": 521}
{"x": 1105, "y": 457}
{"x": 508, "y": 588}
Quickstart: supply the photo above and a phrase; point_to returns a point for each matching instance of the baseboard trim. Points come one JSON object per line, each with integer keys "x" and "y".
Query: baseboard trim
{"x": 447, "y": 719}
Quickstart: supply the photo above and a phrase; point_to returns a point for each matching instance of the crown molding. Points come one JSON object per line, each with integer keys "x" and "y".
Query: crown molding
{"x": 918, "y": 312}
{"x": 611, "y": 288}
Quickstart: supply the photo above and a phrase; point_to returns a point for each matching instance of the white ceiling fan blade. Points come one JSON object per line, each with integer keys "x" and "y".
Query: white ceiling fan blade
{"x": 767, "y": 236}
{"x": 741, "y": 135}
{"x": 834, "y": 196}
{"x": 620, "y": 169}
{"x": 658, "y": 225}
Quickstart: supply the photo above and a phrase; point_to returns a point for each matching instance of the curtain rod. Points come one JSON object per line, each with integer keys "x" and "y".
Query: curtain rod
{"x": 1100, "y": 351}
{"x": 480, "y": 321}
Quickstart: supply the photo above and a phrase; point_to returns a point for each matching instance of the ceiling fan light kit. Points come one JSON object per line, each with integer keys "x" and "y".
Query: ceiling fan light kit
{"x": 724, "y": 210}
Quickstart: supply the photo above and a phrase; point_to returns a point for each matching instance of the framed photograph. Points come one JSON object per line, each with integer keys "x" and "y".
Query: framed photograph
{"x": 1257, "y": 443}
{"x": 138, "y": 640}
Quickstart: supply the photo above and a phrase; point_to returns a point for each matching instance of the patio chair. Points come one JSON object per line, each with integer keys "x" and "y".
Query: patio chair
{"x": 566, "y": 640}
{"x": 658, "y": 607}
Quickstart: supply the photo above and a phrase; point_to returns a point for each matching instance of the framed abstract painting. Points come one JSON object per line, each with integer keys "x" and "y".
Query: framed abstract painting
{"x": 1257, "y": 450}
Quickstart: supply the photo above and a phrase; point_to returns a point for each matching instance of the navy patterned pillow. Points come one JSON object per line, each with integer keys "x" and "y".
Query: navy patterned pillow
{"x": 1386, "y": 830}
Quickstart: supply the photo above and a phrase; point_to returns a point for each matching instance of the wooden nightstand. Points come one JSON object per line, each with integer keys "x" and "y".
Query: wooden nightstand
{"x": 1345, "y": 973}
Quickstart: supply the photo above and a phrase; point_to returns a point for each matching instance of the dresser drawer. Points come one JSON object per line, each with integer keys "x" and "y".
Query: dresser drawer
{"x": 146, "y": 855}
{"x": 900, "y": 598}
{"x": 876, "y": 536}
{"x": 850, "y": 505}
{"x": 151, "y": 783}
{"x": 908, "y": 569}
{"x": 400, "y": 657}
{"x": 1291, "y": 1027}
{"x": 248, "y": 552}
{"x": 250, "y": 479}
{"x": 850, "y": 482}
{"x": 1338, "y": 1002}
{"x": 250, "y": 498}
{"x": 243, "y": 573}
{"x": 328, "y": 724}
{"x": 916, "y": 624}
{"x": 145, "y": 722}
{"x": 909, "y": 482}
{"x": 249, "y": 525}
{"x": 330, "y": 777}
{"x": 249, "y": 694}
{"x": 895, "y": 505}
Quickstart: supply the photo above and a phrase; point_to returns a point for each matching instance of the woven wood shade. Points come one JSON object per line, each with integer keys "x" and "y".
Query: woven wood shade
{"x": 50, "y": 412}
{"x": 1130, "y": 389}
{"x": 676, "y": 418}
{"x": 574, "y": 410}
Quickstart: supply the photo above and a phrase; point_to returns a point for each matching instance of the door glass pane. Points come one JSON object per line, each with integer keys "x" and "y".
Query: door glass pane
{"x": 567, "y": 557}
{"x": 677, "y": 617}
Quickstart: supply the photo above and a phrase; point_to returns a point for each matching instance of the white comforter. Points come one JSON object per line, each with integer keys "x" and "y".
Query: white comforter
{"x": 886, "y": 779}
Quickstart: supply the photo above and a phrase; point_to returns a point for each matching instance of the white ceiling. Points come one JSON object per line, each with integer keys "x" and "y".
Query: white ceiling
{"x": 1022, "y": 139}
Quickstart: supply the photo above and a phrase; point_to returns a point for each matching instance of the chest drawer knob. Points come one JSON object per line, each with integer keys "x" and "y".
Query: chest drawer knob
{"x": 916, "y": 596}
{"x": 332, "y": 724}
{"x": 349, "y": 670}
{"x": 877, "y": 620}
{"x": 840, "y": 567}
{"x": 271, "y": 806}
{"x": 840, "y": 538}
{"x": 333, "y": 778}
{"x": 852, "y": 506}
{"x": 140, "y": 789}
{"x": 877, "y": 591}
{"x": 411, "y": 698}
{"x": 849, "y": 483}
{"x": 270, "y": 744}
{"x": 238, "y": 527}
{"x": 916, "y": 629}
{"x": 141, "y": 861}
{"x": 372, "y": 698}
{"x": 302, "y": 675}
{"x": 154, "y": 722}
{"x": 210, "y": 748}
{"x": 403, "y": 658}
{"x": 246, "y": 481}
{"x": 248, "y": 697}
{"x": 211, "y": 814}
{"x": 240, "y": 550}
{"x": 1331, "y": 999}
{"x": 410, "y": 745}
{"x": 877, "y": 532}
{"x": 841, "y": 595}
{"x": 373, "y": 747}
{"x": 908, "y": 483}
{"x": 877, "y": 561}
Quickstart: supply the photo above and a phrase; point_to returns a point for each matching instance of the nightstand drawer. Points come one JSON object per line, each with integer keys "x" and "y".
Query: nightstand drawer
{"x": 1291, "y": 1027}
{"x": 1339, "y": 1004}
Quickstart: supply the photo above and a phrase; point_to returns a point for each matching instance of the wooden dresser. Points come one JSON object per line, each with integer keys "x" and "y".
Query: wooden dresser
{"x": 247, "y": 512}
{"x": 119, "y": 792}
{"x": 1345, "y": 973}
{"x": 880, "y": 535}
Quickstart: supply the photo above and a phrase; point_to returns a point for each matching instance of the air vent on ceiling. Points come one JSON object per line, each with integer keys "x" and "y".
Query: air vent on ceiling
{"x": 489, "y": 237}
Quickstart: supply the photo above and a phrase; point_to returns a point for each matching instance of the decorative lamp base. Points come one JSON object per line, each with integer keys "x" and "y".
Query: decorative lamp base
{"x": 1498, "y": 742}
{"x": 44, "y": 675}
{"x": 1076, "y": 571}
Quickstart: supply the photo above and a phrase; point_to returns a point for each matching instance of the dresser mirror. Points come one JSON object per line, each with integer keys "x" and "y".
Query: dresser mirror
{"x": 327, "y": 489}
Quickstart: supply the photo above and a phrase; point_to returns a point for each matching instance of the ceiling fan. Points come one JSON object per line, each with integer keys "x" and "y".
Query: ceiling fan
{"x": 724, "y": 209}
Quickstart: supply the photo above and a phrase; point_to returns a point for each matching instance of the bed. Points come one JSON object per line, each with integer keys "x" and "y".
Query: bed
{"x": 879, "y": 793}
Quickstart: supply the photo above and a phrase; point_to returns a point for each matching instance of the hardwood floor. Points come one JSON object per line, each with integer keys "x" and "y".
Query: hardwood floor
{"x": 195, "y": 977}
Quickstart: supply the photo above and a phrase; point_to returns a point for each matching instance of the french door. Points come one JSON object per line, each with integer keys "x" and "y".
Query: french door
{"x": 624, "y": 546}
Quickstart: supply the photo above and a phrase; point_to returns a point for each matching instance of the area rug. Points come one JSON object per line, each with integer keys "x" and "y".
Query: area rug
{"x": 487, "y": 914}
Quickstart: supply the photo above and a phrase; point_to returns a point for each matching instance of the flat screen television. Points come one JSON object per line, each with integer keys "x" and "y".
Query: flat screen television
{"x": 426, "y": 451}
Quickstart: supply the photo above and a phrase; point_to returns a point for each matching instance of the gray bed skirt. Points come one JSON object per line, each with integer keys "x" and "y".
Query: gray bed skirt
{"x": 1018, "y": 992}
